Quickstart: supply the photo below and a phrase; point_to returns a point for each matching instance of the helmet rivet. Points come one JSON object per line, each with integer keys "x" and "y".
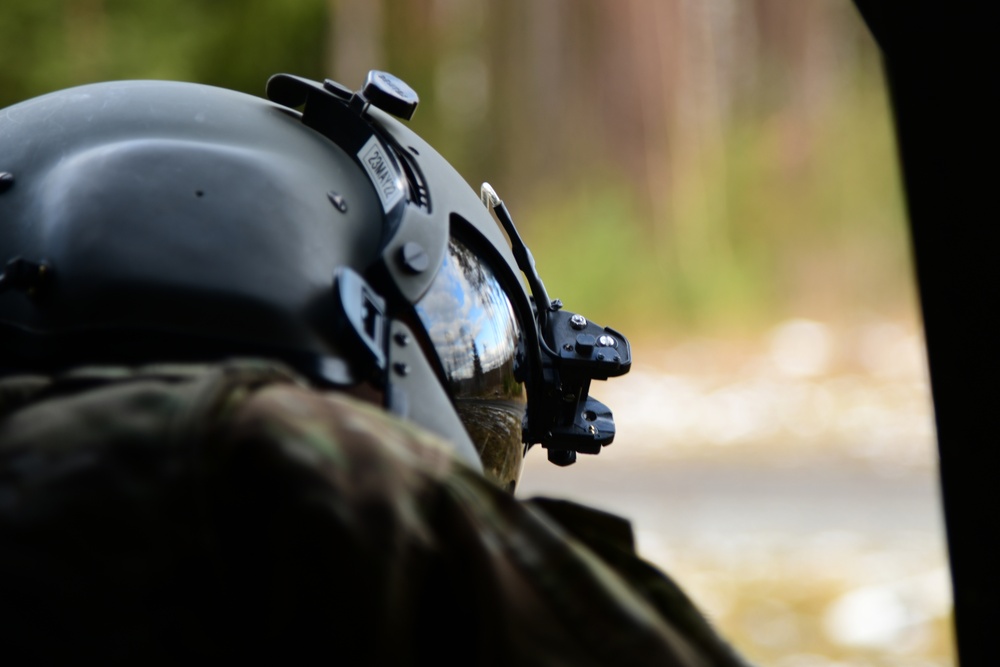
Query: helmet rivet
{"x": 337, "y": 200}
{"x": 6, "y": 180}
{"x": 578, "y": 322}
{"x": 414, "y": 257}
{"x": 607, "y": 341}
{"x": 401, "y": 368}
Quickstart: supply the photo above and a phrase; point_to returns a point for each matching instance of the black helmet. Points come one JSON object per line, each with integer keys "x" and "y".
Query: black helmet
{"x": 157, "y": 221}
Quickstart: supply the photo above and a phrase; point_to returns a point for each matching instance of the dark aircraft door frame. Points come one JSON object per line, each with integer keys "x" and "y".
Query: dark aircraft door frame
{"x": 941, "y": 64}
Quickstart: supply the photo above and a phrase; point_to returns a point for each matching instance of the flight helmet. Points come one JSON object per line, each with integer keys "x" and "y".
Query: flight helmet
{"x": 152, "y": 221}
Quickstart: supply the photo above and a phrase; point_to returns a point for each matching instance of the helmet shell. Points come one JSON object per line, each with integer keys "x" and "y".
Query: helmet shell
{"x": 186, "y": 222}
{"x": 180, "y": 209}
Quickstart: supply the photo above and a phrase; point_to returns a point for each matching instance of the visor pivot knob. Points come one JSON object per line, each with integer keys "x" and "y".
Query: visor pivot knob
{"x": 390, "y": 94}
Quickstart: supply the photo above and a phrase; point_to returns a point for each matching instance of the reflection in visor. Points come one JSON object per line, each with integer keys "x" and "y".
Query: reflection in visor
{"x": 474, "y": 330}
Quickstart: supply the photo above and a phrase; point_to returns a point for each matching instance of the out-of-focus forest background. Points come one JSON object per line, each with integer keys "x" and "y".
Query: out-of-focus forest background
{"x": 716, "y": 178}
{"x": 737, "y": 153}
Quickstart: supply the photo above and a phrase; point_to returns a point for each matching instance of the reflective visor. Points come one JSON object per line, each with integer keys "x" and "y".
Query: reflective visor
{"x": 472, "y": 325}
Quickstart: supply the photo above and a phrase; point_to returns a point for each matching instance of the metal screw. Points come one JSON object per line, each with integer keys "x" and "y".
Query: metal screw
{"x": 568, "y": 347}
{"x": 578, "y": 322}
{"x": 607, "y": 341}
{"x": 402, "y": 338}
{"x": 414, "y": 257}
{"x": 556, "y": 304}
{"x": 600, "y": 356}
{"x": 6, "y": 180}
{"x": 401, "y": 368}
{"x": 338, "y": 201}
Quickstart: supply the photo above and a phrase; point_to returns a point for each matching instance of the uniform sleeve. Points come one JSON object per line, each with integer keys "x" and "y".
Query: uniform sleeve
{"x": 232, "y": 515}
{"x": 353, "y": 530}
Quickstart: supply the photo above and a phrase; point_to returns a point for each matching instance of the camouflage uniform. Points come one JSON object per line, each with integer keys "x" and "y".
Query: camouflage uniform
{"x": 172, "y": 513}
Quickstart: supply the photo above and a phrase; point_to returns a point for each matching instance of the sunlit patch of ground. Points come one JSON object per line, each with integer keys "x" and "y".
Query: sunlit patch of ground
{"x": 789, "y": 484}
{"x": 833, "y": 598}
{"x": 804, "y": 391}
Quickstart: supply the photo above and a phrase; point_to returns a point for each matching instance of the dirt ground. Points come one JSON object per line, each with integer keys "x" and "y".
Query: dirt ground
{"x": 789, "y": 484}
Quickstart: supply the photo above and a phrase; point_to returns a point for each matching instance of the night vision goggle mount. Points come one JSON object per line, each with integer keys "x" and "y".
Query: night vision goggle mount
{"x": 573, "y": 351}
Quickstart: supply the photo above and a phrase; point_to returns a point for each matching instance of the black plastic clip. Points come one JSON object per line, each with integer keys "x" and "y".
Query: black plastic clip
{"x": 564, "y": 419}
{"x": 361, "y": 315}
{"x": 576, "y": 352}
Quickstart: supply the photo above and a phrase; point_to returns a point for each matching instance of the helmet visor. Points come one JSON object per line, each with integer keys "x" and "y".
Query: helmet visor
{"x": 476, "y": 335}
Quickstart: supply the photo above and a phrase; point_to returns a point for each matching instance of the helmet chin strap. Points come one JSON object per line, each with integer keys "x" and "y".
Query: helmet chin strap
{"x": 574, "y": 351}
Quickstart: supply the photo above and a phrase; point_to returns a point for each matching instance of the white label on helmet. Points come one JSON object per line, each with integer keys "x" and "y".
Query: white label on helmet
{"x": 387, "y": 184}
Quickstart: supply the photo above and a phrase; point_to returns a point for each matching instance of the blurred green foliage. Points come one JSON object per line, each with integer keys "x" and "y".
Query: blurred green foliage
{"x": 674, "y": 166}
{"x": 809, "y": 226}
{"x": 46, "y": 45}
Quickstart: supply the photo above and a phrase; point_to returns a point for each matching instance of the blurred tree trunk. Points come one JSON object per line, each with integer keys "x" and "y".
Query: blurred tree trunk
{"x": 354, "y": 41}
{"x": 539, "y": 95}
{"x": 86, "y": 36}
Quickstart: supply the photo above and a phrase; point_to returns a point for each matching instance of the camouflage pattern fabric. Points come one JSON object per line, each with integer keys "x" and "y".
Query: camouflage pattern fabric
{"x": 176, "y": 513}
